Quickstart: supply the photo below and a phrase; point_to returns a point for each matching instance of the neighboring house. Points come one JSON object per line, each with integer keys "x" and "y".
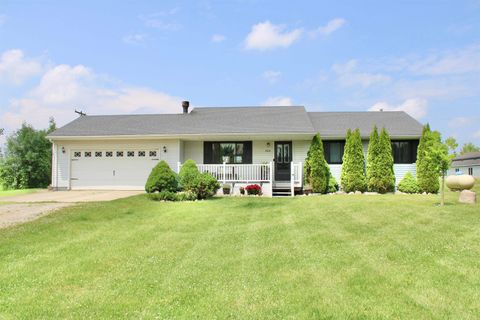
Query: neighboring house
{"x": 239, "y": 145}
{"x": 468, "y": 163}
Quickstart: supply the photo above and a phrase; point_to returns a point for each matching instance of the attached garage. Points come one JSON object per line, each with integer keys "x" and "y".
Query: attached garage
{"x": 111, "y": 169}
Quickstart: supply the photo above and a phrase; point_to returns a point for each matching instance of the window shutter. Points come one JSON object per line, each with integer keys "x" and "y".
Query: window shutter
{"x": 207, "y": 152}
{"x": 247, "y": 152}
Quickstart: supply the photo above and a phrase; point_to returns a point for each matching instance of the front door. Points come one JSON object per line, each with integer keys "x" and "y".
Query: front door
{"x": 283, "y": 159}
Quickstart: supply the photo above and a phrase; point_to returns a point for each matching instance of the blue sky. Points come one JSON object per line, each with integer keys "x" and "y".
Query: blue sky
{"x": 108, "y": 57}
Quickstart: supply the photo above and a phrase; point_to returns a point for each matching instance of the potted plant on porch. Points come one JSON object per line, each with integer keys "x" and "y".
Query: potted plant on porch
{"x": 226, "y": 189}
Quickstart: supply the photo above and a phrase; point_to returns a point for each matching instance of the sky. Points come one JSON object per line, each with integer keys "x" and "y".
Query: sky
{"x": 116, "y": 57}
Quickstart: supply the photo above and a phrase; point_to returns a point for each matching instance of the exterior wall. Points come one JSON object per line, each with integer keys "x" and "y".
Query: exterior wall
{"x": 193, "y": 150}
{"x": 300, "y": 149}
{"x": 464, "y": 170}
{"x": 62, "y": 160}
{"x": 261, "y": 153}
{"x": 235, "y": 191}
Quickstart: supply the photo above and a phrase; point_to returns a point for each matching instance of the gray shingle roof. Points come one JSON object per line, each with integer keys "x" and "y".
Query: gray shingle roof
{"x": 241, "y": 120}
{"x": 335, "y": 124}
{"x": 469, "y": 158}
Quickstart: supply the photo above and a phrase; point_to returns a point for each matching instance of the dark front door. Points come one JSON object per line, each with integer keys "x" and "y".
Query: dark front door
{"x": 283, "y": 158}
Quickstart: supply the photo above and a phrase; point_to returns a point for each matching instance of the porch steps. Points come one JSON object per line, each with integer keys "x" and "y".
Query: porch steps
{"x": 281, "y": 189}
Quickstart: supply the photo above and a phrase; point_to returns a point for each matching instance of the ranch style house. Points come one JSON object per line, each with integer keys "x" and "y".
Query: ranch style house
{"x": 238, "y": 145}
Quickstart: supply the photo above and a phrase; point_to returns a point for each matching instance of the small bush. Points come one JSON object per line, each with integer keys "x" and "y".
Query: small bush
{"x": 242, "y": 191}
{"x": 253, "y": 189}
{"x": 162, "y": 178}
{"x": 186, "y": 196}
{"x": 163, "y": 196}
{"x": 332, "y": 185}
{"x": 205, "y": 186}
{"x": 408, "y": 184}
{"x": 187, "y": 175}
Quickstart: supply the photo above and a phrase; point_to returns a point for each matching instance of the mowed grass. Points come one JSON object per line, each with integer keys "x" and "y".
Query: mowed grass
{"x": 333, "y": 257}
{"x": 9, "y": 193}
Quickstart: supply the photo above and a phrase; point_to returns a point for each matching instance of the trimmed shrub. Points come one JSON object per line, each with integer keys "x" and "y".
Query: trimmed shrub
{"x": 332, "y": 185}
{"x": 427, "y": 171}
{"x": 205, "y": 186}
{"x": 381, "y": 174}
{"x": 163, "y": 196}
{"x": 253, "y": 189}
{"x": 186, "y": 196}
{"x": 353, "y": 167}
{"x": 188, "y": 173}
{"x": 162, "y": 178}
{"x": 373, "y": 151}
{"x": 317, "y": 172}
{"x": 408, "y": 184}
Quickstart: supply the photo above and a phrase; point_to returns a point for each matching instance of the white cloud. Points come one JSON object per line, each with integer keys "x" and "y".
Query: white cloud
{"x": 332, "y": 26}
{"x": 63, "y": 88}
{"x": 348, "y": 76}
{"x": 218, "y": 38}
{"x": 265, "y": 36}
{"x": 135, "y": 38}
{"x": 162, "y": 20}
{"x": 15, "y": 69}
{"x": 272, "y": 76}
{"x": 3, "y": 19}
{"x": 477, "y": 134}
{"x": 459, "y": 122}
{"x": 278, "y": 101}
{"x": 415, "y": 107}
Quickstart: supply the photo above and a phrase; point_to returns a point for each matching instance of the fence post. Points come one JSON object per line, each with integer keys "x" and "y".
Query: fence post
{"x": 270, "y": 177}
{"x": 292, "y": 179}
{"x": 178, "y": 166}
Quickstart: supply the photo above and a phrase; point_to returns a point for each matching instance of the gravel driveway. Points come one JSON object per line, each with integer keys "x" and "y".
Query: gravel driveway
{"x": 27, "y": 207}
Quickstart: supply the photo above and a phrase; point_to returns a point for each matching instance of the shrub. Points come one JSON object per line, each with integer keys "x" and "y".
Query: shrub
{"x": 162, "y": 178}
{"x": 408, "y": 184}
{"x": 186, "y": 196}
{"x": 353, "y": 167}
{"x": 381, "y": 177}
{"x": 317, "y": 172}
{"x": 188, "y": 173}
{"x": 242, "y": 191}
{"x": 163, "y": 196}
{"x": 427, "y": 172}
{"x": 332, "y": 185}
{"x": 253, "y": 189}
{"x": 205, "y": 186}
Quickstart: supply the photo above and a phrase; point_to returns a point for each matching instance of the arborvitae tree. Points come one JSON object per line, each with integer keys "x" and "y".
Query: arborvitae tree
{"x": 384, "y": 164}
{"x": 353, "y": 168}
{"x": 373, "y": 150}
{"x": 317, "y": 172}
{"x": 427, "y": 173}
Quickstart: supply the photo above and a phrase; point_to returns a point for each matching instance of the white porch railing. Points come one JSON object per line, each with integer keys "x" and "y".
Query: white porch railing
{"x": 296, "y": 170}
{"x": 238, "y": 172}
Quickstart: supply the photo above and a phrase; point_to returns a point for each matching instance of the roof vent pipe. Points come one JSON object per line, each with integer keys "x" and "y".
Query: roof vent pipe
{"x": 185, "y": 105}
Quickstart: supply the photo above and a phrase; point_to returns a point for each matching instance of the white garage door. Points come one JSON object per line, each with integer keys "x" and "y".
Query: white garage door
{"x": 112, "y": 169}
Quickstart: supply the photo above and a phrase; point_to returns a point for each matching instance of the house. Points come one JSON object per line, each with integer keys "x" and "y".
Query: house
{"x": 468, "y": 163}
{"x": 239, "y": 145}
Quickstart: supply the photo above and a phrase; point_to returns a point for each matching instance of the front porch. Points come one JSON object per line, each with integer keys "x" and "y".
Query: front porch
{"x": 263, "y": 174}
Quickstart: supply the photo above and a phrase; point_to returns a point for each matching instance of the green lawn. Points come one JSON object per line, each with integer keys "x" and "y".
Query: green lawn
{"x": 334, "y": 257}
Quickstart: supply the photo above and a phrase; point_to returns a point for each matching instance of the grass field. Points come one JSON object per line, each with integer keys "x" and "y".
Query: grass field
{"x": 334, "y": 257}
{"x": 8, "y": 193}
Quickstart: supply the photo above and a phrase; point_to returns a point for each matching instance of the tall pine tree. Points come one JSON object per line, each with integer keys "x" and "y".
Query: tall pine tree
{"x": 353, "y": 168}
{"x": 317, "y": 172}
{"x": 384, "y": 164}
{"x": 373, "y": 150}
{"x": 427, "y": 173}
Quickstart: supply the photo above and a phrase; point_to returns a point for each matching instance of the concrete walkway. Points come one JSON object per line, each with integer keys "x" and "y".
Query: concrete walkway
{"x": 27, "y": 207}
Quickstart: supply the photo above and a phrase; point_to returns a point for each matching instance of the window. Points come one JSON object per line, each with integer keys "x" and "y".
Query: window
{"x": 470, "y": 171}
{"x": 228, "y": 152}
{"x": 141, "y": 153}
{"x": 152, "y": 153}
{"x": 457, "y": 170}
{"x": 119, "y": 153}
{"x": 404, "y": 151}
{"x": 109, "y": 154}
{"x": 77, "y": 154}
{"x": 87, "y": 154}
{"x": 98, "y": 154}
{"x": 333, "y": 151}
{"x": 130, "y": 153}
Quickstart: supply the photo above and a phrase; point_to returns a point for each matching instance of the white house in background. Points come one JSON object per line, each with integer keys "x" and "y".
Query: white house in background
{"x": 468, "y": 163}
{"x": 239, "y": 145}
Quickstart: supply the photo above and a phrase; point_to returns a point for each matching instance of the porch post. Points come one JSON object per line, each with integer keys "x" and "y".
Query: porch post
{"x": 292, "y": 179}
{"x": 178, "y": 166}
{"x": 270, "y": 177}
{"x": 224, "y": 169}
